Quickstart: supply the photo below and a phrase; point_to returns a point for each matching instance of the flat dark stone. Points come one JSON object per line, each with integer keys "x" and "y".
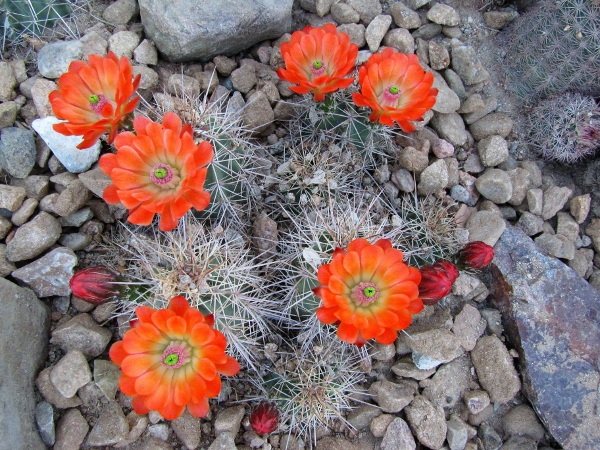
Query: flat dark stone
{"x": 552, "y": 317}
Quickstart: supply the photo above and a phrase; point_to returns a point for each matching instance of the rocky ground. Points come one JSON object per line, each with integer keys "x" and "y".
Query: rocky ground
{"x": 505, "y": 362}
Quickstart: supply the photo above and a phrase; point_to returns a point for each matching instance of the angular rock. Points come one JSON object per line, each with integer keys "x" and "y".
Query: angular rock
{"x": 258, "y": 114}
{"x": 187, "y": 429}
{"x": 70, "y": 373}
{"x": 444, "y": 15}
{"x": 476, "y": 401}
{"x": 23, "y": 214}
{"x": 485, "y": 226}
{"x": 499, "y": 19}
{"x": 555, "y": 339}
{"x": 362, "y": 416}
{"x": 554, "y": 199}
{"x": 111, "y": 428}
{"x": 8, "y": 114}
{"x": 24, "y": 339}
{"x": 439, "y": 58}
{"x": 8, "y": 82}
{"x": 82, "y": 333}
{"x": 120, "y": 12}
{"x": 457, "y": 433}
{"x": 495, "y": 185}
{"x": 74, "y": 197}
{"x": 433, "y": 178}
{"x": 39, "y": 92}
{"x": 366, "y": 9}
{"x": 493, "y": 124}
{"x": 522, "y": 421}
{"x": 400, "y": 39}
{"x": 53, "y": 59}
{"x": 106, "y": 377}
{"x": 376, "y": 30}
{"x": 398, "y": 436}
{"x": 567, "y": 226}
{"x": 493, "y": 151}
{"x": 427, "y": 422}
{"x": 406, "y": 368}
{"x": 450, "y": 127}
{"x": 228, "y": 420}
{"x": 33, "y": 238}
{"x": 11, "y": 197}
{"x": 450, "y": 381}
{"x": 51, "y": 394}
{"x": 344, "y": 14}
{"x": 44, "y": 417}
{"x": 495, "y": 369}
{"x": 357, "y": 32}
{"x": 17, "y": 151}
{"x": 49, "y": 275}
{"x": 195, "y": 31}
{"x": 71, "y": 431}
{"x": 469, "y": 326}
{"x": 413, "y": 160}
{"x": 404, "y": 17}
{"x": 489, "y": 437}
{"x": 137, "y": 426}
{"x": 580, "y": 207}
{"x": 521, "y": 182}
{"x": 6, "y": 267}
{"x": 520, "y": 443}
{"x": 467, "y": 65}
{"x": 123, "y": 43}
{"x": 64, "y": 147}
{"x": 393, "y": 397}
{"x": 439, "y": 345}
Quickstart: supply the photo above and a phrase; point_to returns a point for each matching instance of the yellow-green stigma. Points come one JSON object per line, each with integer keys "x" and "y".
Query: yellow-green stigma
{"x": 160, "y": 173}
{"x": 394, "y": 89}
{"x": 369, "y": 291}
{"x": 94, "y": 99}
{"x": 317, "y": 65}
{"x": 171, "y": 359}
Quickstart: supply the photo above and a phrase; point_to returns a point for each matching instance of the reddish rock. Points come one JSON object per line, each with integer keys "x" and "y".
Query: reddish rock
{"x": 551, "y": 316}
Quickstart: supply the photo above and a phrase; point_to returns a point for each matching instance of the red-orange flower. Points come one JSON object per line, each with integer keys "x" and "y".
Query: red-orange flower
{"x": 318, "y": 59}
{"x": 159, "y": 171}
{"x": 370, "y": 291}
{"x": 94, "y": 98}
{"x": 396, "y": 88}
{"x": 171, "y": 359}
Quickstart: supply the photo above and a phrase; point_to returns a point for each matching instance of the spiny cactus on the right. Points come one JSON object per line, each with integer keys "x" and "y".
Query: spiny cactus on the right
{"x": 554, "y": 48}
{"x": 565, "y": 128}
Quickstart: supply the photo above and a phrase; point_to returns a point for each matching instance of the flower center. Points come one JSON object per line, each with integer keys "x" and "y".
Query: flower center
{"x": 165, "y": 176}
{"x": 391, "y": 96}
{"x": 176, "y": 355}
{"x": 97, "y": 103}
{"x": 365, "y": 293}
{"x": 317, "y": 69}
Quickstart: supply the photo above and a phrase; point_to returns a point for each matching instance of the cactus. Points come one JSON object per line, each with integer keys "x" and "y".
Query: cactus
{"x": 213, "y": 270}
{"x": 309, "y": 174}
{"x": 313, "y": 387}
{"x": 339, "y": 120}
{"x": 554, "y": 49}
{"x": 235, "y": 164}
{"x": 566, "y": 128}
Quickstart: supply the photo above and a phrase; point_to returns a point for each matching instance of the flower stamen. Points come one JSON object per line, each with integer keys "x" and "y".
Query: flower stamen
{"x": 161, "y": 174}
{"x": 317, "y": 69}
{"x": 365, "y": 293}
{"x": 97, "y": 103}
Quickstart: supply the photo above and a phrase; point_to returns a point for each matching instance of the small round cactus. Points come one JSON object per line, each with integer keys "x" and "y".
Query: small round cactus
{"x": 565, "y": 128}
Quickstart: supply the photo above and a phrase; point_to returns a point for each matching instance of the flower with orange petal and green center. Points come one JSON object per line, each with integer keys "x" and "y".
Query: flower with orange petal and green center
{"x": 95, "y": 98}
{"x": 171, "y": 359}
{"x": 159, "y": 171}
{"x": 318, "y": 59}
{"x": 369, "y": 291}
{"x": 396, "y": 88}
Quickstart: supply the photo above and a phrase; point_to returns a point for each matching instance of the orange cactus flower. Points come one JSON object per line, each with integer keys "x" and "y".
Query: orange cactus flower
{"x": 159, "y": 171}
{"x": 94, "y": 98}
{"x": 171, "y": 359}
{"x": 369, "y": 291}
{"x": 396, "y": 88}
{"x": 318, "y": 59}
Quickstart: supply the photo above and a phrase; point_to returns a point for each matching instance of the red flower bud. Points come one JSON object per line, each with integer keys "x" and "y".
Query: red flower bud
{"x": 477, "y": 255}
{"x": 436, "y": 281}
{"x": 264, "y": 418}
{"x": 95, "y": 285}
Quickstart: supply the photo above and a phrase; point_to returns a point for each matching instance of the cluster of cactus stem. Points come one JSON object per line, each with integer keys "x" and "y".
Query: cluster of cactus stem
{"x": 213, "y": 269}
{"x": 554, "y": 48}
{"x": 210, "y": 260}
{"x": 565, "y": 128}
{"x": 313, "y": 387}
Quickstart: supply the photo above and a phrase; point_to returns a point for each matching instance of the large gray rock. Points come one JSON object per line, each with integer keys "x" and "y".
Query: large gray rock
{"x": 54, "y": 59}
{"x": 23, "y": 350}
{"x": 17, "y": 151}
{"x": 33, "y": 238}
{"x": 551, "y": 317}
{"x": 185, "y": 30}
